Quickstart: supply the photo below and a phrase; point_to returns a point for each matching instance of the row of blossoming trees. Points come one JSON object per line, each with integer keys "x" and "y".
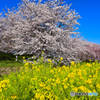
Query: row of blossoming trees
{"x": 36, "y": 27}
{"x": 92, "y": 52}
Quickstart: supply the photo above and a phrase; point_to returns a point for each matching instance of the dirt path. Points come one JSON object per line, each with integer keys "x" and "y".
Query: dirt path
{"x": 8, "y": 70}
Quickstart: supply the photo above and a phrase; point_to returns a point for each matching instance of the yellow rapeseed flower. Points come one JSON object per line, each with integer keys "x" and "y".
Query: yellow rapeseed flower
{"x": 94, "y": 76}
{"x": 79, "y": 73}
{"x": 50, "y": 94}
{"x": 75, "y": 66}
{"x": 75, "y": 89}
{"x": 93, "y": 63}
{"x": 89, "y": 81}
{"x": 42, "y": 97}
{"x": 55, "y": 76}
{"x": 21, "y": 67}
{"x": 38, "y": 90}
{"x": 95, "y": 60}
{"x": 54, "y": 84}
{"x": 97, "y": 72}
{"x": 5, "y": 88}
{"x": 64, "y": 66}
{"x": 6, "y": 81}
{"x": 34, "y": 61}
{"x": 51, "y": 83}
{"x": 3, "y": 85}
{"x": 92, "y": 71}
{"x": 65, "y": 86}
{"x": 26, "y": 67}
{"x": 90, "y": 75}
{"x": 45, "y": 78}
{"x": 98, "y": 85}
{"x": 89, "y": 90}
{"x": 67, "y": 83}
{"x": 61, "y": 58}
{"x": 89, "y": 59}
{"x": 62, "y": 72}
{"x": 33, "y": 99}
{"x": 30, "y": 62}
{"x": 94, "y": 90}
{"x": 42, "y": 58}
{"x": 89, "y": 65}
{"x": 32, "y": 79}
{"x": 19, "y": 75}
{"x": 33, "y": 55}
{"x": 22, "y": 77}
{"x": 9, "y": 85}
{"x": 91, "y": 86}
{"x": 13, "y": 97}
{"x": 37, "y": 96}
{"x": 41, "y": 85}
{"x": 38, "y": 69}
{"x": 63, "y": 83}
{"x": 64, "y": 80}
{"x": 41, "y": 76}
{"x": 52, "y": 71}
{"x": 23, "y": 73}
{"x": 82, "y": 88}
{"x": 71, "y": 81}
{"x": 56, "y": 98}
{"x": 72, "y": 63}
{"x": 71, "y": 75}
{"x": 65, "y": 99}
{"x": 42, "y": 51}
{"x": 31, "y": 87}
{"x": 72, "y": 86}
{"x": 45, "y": 92}
{"x": 26, "y": 63}
{"x": 48, "y": 87}
{"x": 49, "y": 60}
{"x": 60, "y": 89}
{"x": 23, "y": 57}
{"x": 58, "y": 81}
{"x": 0, "y": 89}
{"x": 53, "y": 79}
{"x": 81, "y": 77}
{"x": 98, "y": 67}
{"x": 59, "y": 70}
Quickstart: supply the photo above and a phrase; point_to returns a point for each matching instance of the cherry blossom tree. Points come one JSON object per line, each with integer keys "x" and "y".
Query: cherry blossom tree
{"x": 92, "y": 52}
{"x": 33, "y": 28}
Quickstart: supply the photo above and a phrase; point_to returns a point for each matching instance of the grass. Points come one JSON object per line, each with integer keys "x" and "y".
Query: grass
{"x": 10, "y": 64}
{"x": 6, "y": 66}
{"x": 41, "y": 81}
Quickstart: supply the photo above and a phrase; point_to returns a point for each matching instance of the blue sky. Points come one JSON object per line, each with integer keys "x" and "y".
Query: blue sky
{"x": 89, "y": 10}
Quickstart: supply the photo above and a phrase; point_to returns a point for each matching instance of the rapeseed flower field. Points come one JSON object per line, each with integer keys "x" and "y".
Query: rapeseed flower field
{"x": 42, "y": 81}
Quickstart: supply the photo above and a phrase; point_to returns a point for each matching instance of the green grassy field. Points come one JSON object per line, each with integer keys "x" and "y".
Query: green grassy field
{"x": 10, "y": 64}
{"x": 7, "y": 66}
